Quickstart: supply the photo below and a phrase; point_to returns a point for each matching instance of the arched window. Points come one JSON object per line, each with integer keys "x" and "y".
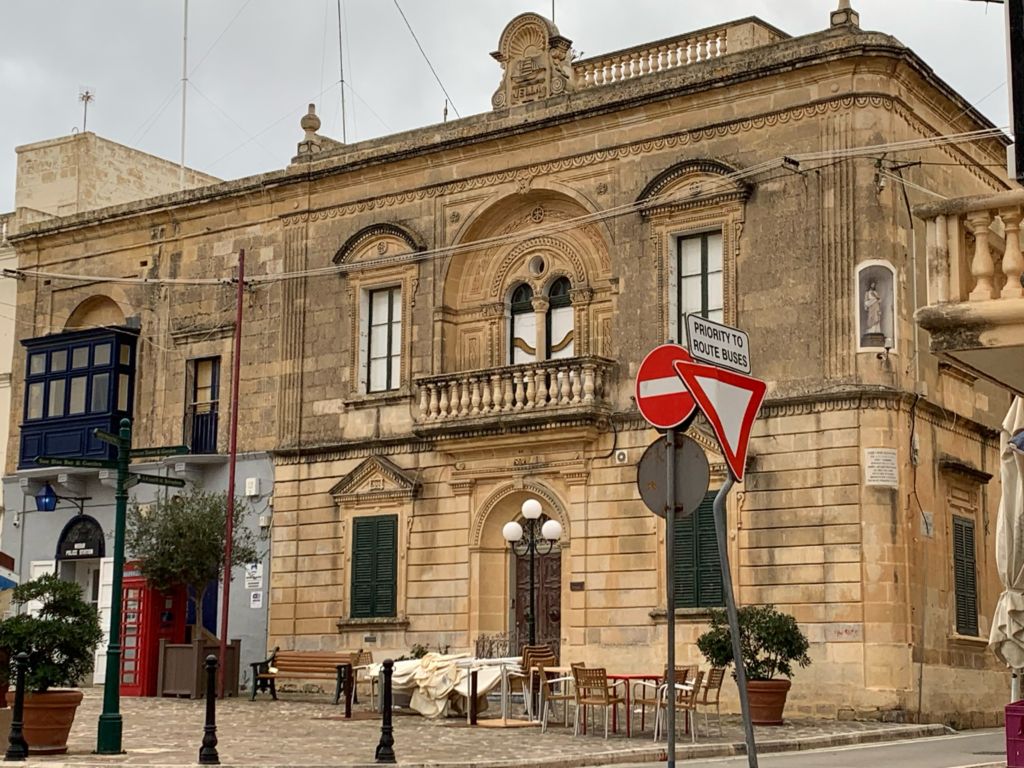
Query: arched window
{"x": 559, "y": 330}
{"x": 523, "y": 337}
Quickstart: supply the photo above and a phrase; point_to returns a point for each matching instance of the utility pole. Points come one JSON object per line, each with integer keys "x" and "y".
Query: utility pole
{"x": 1015, "y": 82}
{"x": 229, "y": 518}
{"x": 184, "y": 96}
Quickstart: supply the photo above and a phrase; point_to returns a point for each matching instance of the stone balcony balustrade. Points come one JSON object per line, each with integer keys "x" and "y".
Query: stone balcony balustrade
{"x": 975, "y": 311}
{"x": 515, "y": 393}
{"x": 672, "y": 53}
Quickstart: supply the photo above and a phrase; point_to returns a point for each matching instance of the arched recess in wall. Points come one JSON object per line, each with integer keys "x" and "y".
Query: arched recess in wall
{"x": 503, "y": 505}
{"x": 524, "y": 242}
{"x": 95, "y": 311}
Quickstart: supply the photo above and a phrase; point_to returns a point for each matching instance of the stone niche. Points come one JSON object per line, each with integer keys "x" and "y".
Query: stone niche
{"x": 535, "y": 61}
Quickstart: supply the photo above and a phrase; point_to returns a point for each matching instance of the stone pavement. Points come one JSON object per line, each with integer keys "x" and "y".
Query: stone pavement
{"x": 307, "y": 730}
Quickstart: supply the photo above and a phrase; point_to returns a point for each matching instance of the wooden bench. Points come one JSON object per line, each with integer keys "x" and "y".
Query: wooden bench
{"x": 306, "y": 665}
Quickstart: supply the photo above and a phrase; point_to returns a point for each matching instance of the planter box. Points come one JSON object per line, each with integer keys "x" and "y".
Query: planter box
{"x": 182, "y": 669}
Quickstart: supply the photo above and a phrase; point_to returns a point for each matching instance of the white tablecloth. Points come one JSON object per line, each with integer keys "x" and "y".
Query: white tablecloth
{"x": 437, "y": 679}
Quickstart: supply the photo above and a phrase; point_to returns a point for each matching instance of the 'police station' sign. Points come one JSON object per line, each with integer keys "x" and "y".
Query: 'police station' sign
{"x": 718, "y": 344}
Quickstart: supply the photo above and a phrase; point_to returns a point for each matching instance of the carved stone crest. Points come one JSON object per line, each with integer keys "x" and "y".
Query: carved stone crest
{"x": 535, "y": 62}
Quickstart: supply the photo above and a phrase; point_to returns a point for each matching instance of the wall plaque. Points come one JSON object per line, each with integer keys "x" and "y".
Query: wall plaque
{"x": 881, "y": 468}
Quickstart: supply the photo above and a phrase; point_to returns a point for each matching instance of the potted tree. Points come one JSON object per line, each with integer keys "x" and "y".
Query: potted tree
{"x": 770, "y": 642}
{"x": 60, "y": 639}
{"x": 180, "y": 542}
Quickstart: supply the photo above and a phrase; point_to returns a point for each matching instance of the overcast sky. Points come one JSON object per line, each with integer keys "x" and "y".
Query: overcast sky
{"x": 255, "y": 64}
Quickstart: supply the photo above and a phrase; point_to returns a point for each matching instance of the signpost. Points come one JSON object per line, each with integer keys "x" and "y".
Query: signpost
{"x": 108, "y": 735}
{"x": 729, "y": 399}
{"x": 692, "y": 475}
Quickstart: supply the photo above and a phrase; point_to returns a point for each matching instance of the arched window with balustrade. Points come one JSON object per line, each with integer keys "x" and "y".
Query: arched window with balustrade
{"x": 559, "y": 332}
{"x": 523, "y": 324}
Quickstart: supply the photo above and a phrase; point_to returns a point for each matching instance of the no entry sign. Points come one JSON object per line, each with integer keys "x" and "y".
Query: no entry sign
{"x": 661, "y": 395}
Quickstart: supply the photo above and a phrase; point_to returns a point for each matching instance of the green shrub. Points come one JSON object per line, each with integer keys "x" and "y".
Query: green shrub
{"x": 769, "y": 641}
{"x": 60, "y": 639}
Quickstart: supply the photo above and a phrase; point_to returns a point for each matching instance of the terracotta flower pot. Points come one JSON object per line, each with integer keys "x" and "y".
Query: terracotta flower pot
{"x": 48, "y": 718}
{"x": 767, "y": 699}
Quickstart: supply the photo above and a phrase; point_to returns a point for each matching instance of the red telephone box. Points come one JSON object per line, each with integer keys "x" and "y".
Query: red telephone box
{"x": 147, "y": 617}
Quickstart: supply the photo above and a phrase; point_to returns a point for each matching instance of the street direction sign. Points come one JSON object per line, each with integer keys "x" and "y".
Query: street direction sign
{"x": 60, "y": 461}
{"x": 717, "y": 344}
{"x": 141, "y": 477}
{"x": 660, "y": 394}
{"x": 154, "y": 453}
{"x": 106, "y": 437}
{"x": 730, "y": 401}
{"x": 692, "y": 475}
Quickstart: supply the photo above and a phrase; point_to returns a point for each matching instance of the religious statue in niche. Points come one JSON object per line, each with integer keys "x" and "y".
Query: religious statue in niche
{"x": 876, "y": 305}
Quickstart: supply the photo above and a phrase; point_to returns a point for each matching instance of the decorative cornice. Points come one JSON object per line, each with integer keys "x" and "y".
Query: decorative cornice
{"x": 355, "y": 449}
{"x": 668, "y": 142}
{"x": 957, "y": 466}
{"x": 196, "y": 332}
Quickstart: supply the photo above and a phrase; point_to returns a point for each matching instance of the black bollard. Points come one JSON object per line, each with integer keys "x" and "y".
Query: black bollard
{"x": 208, "y": 752}
{"x": 18, "y": 749}
{"x": 386, "y": 748}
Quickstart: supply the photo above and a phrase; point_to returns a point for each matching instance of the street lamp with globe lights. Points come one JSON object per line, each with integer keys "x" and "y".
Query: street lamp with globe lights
{"x": 529, "y": 543}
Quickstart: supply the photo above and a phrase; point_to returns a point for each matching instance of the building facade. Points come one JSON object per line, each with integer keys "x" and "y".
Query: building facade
{"x": 443, "y": 323}
{"x": 78, "y": 359}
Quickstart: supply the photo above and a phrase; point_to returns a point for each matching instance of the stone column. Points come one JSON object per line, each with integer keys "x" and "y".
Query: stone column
{"x": 540, "y": 309}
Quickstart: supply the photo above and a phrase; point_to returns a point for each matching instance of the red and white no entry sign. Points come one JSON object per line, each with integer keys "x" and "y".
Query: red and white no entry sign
{"x": 661, "y": 395}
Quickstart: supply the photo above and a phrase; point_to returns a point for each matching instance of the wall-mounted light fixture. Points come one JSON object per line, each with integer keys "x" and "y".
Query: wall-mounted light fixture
{"x": 888, "y": 347}
{"x": 47, "y": 498}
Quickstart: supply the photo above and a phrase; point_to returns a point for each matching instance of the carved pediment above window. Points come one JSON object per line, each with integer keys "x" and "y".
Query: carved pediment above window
{"x": 692, "y": 183}
{"x": 376, "y": 479}
{"x": 535, "y": 62}
{"x": 376, "y": 242}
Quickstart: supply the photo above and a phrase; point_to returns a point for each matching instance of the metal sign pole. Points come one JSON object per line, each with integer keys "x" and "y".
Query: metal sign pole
{"x": 721, "y": 526}
{"x": 670, "y": 593}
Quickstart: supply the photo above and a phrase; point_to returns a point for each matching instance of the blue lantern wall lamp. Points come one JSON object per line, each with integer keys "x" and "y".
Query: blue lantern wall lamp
{"x": 47, "y": 498}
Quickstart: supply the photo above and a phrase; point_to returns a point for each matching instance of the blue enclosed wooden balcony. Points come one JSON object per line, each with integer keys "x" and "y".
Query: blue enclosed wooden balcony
{"x": 76, "y": 382}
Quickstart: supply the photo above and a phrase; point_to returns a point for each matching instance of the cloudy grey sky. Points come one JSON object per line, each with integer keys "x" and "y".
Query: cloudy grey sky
{"x": 255, "y": 64}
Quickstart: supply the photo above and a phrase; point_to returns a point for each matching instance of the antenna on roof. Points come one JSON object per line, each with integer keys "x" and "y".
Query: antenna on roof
{"x": 341, "y": 72}
{"x": 85, "y": 95}
{"x": 184, "y": 92}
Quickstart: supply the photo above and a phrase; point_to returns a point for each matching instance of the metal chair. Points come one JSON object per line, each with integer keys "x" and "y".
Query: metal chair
{"x": 550, "y": 693}
{"x": 685, "y": 699}
{"x": 594, "y": 690}
{"x": 711, "y": 693}
{"x": 646, "y": 693}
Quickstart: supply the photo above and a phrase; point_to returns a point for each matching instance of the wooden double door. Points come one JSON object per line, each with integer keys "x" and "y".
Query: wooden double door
{"x": 548, "y": 596}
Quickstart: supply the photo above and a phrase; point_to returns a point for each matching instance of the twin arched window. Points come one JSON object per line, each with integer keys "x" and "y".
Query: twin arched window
{"x": 524, "y": 337}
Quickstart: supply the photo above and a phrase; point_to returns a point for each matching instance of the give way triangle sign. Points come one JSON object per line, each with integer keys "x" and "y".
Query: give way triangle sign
{"x": 730, "y": 401}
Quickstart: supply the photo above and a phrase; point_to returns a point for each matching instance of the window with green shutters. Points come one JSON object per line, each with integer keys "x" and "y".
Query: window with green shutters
{"x": 698, "y": 573}
{"x": 965, "y": 581}
{"x": 374, "y": 566}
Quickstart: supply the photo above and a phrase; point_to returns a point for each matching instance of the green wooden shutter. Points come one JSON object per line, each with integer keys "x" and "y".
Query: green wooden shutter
{"x": 386, "y": 570}
{"x": 965, "y": 577}
{"x": 697, "y": 571}
{"x": 685, "y": 565}
{"x": 374, "y": 566}
{"x": 709, "y": 567}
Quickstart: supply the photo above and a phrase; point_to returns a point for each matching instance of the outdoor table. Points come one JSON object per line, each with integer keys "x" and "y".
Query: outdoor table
{"x": 628, "y": 678}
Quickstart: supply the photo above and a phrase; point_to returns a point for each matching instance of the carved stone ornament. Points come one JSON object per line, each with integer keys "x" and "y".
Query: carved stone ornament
{"x": 376, "y": 479}
{"x": 535, "y": 62}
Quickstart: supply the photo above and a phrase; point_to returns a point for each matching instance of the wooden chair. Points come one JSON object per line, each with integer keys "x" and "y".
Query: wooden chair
{"x": 533, "y": 681}
{"x": 594, "y": 690}
{"x": 554, "y": 689}
{"x": 711, "y": 693}
{"x": 361, "y": 662}
{"x": 685, "y": 700}
{"x": 646, "y": 693}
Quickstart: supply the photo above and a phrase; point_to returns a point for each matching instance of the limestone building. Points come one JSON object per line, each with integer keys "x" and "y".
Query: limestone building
{"x": 443, "y": 323}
